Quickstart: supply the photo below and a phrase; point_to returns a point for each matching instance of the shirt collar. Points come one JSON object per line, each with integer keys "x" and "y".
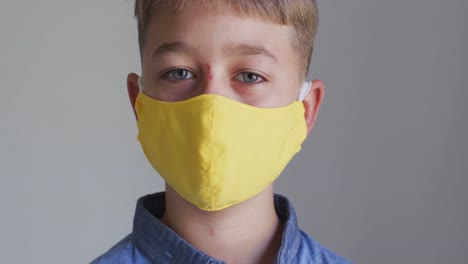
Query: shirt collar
{"x": 162, "y": 245}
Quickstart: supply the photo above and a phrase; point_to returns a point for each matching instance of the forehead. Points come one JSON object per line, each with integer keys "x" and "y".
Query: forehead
{"x": 214, "y": 32}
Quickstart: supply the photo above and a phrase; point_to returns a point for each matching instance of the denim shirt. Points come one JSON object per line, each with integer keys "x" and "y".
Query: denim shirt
{"x": 152, "y": 242}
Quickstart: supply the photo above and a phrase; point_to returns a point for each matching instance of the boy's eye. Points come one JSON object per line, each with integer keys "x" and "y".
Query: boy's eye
{"x": 249, "y": 77}
{"x": 178, "y": 75}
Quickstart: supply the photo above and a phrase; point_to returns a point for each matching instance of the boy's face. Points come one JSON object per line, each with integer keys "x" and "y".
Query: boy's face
{"x": 245, "y": 59}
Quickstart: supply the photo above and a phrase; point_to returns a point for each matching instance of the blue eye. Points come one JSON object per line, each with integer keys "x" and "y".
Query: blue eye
{"x": 249, "y": 77}
{"x": 178, "y": 75}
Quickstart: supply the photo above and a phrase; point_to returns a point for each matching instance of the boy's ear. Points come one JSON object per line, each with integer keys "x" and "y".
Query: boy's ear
{"x": 312, "y": 103}
{"x": 133, "y": 90}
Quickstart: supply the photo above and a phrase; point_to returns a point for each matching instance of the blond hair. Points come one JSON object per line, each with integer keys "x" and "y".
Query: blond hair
{"x": 301, "y": 15}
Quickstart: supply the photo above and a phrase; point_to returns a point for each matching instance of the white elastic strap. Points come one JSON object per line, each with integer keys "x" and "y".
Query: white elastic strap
{"x": 140, "y": 85}
{"x": 305, "y": 89}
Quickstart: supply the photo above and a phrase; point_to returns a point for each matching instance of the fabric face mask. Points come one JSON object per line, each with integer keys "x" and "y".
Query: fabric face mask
{"x": 216, "y": 152}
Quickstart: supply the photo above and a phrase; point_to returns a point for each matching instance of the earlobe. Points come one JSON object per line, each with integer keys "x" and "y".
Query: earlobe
{"x": 133, "y": 90}
{"x": 312, "y": 103}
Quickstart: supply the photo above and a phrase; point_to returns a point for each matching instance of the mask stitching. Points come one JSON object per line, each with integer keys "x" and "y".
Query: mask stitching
{"x": 210, "y": 168}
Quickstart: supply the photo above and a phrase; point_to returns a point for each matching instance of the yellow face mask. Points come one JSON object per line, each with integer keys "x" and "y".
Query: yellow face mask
{"x": 216, "y": 152}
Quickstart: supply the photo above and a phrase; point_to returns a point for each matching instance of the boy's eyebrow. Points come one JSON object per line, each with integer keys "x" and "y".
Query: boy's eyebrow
{"x": 171, "y": 47}
{"x": 239, "y": 50}
{"x": 248, "y": 50}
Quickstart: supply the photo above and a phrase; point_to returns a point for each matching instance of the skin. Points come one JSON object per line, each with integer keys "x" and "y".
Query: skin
{"x": 209, "y": 62}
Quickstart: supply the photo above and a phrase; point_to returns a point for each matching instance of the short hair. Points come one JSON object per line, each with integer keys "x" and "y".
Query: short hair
{"x": 301, "y": 15}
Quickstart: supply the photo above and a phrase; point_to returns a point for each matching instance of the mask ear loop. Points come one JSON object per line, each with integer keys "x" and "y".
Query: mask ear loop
{"x": 305, "y": 89}
{"x": 140, "y": 85}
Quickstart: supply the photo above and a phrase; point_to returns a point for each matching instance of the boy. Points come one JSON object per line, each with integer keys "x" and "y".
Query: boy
{"x": 221, "y": 109}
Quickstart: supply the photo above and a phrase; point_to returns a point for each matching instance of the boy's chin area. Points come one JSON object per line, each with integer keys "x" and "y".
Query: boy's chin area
{"x": 263, "y": 199}
{"x": 238, "y": 234}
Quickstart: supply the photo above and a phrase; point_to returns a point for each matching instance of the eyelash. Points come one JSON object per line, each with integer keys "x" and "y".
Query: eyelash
{"x": 241, "y": 76}
{"x": 166, "y": 74}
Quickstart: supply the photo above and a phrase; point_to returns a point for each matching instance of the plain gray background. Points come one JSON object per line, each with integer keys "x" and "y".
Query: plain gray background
{"x": 382, "y": 179}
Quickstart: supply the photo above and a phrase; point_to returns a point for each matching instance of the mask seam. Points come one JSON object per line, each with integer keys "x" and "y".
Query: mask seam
{"x": 210, "y": 168}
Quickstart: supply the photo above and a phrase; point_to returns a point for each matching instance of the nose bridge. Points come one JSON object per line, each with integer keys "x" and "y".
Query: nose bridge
{"x": 213, "y": 82}
{"x": 209, "y": 87}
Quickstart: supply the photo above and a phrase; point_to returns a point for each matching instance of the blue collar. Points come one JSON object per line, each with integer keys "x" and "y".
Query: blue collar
{"x": 162, "y": 245}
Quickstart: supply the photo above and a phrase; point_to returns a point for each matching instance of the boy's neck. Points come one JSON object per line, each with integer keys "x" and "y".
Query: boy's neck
{"x": 249, "y": 232}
